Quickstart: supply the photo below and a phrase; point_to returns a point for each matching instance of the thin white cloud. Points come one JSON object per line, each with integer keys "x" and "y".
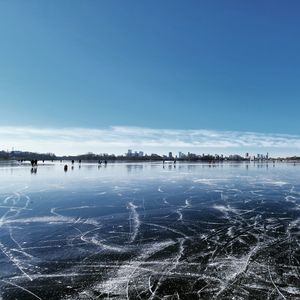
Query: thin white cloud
{"x": 119, "y": 139}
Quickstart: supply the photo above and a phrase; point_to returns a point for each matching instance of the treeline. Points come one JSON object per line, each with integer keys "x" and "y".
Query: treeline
{"x": 4, "y": 155}
{"x": 293, "y": 158}
{"x": 20, "y": 155}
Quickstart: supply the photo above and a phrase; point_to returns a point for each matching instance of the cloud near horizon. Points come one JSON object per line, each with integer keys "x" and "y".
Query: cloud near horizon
{"x": 118, "y": 139}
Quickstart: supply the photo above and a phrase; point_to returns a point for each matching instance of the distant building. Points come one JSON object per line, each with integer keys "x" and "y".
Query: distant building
{"x": 170, "y": 155}
{"x": 181, "y": 155}
{"x": 262, "y": 156}
{"x": 235, "y": 157}
{"x": 130, "y": 153}
{"x": 192, "y": 155}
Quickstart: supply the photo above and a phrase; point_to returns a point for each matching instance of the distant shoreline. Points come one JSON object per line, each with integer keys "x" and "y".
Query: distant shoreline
{"x": 190, "y": 157}
{"x": 286, "y": 160}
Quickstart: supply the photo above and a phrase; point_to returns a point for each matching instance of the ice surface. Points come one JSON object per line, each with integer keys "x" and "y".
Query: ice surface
{"x": 144, "y": 231}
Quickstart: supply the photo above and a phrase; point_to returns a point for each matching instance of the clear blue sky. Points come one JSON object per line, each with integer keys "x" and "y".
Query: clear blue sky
{"x": 221, "y": 65}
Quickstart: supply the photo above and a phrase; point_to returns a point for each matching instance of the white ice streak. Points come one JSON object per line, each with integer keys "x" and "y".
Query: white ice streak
{"x": 17, "y": 262}
{"x": 168, "y": 229}
{"x": 275, "y": 182}
{"x": 225, "y": 209}
{"x": 187, "y": 203}
{"x": 22, "y": 288}
{"x": 117, "y": 284}
{"x": 230, "y": 268}
{"x": 51, "y": 220}
{"x": 94, "y": 240}
{"x": 20, "y": 259}
{"x": 104, "y": 246}
{"x": 172, "y": 267}
{"x": 209, "y": 181}
{"x": 76, "y": 208}
{"x": 274, "y": 284}
{"x": 160, "y": 190}
{"x": 179, "y": 210}
{"x": 134, "y": 221}
{"x": 14, "y": 210}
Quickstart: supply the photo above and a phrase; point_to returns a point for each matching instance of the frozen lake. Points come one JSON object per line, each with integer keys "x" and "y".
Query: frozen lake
{"x": 144, "y": 231}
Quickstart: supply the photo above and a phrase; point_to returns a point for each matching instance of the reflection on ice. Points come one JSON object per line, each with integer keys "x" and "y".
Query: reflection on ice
{"x": 141, "y": 231}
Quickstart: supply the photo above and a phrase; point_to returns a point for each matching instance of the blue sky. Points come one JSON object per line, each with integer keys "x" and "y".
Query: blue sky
{"x": 225, "y": 66}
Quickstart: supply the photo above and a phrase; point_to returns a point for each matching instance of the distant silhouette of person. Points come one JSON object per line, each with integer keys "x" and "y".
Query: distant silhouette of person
{"x": 33, "y": 170}
{"x": 105, "y": 162}
{"x": 72, "y": 161}
{"x": 79, "y": 161}
{"x": 99, "y": 162}
{"x": 65, "y": 168}
{"x": 34, "y": 162}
